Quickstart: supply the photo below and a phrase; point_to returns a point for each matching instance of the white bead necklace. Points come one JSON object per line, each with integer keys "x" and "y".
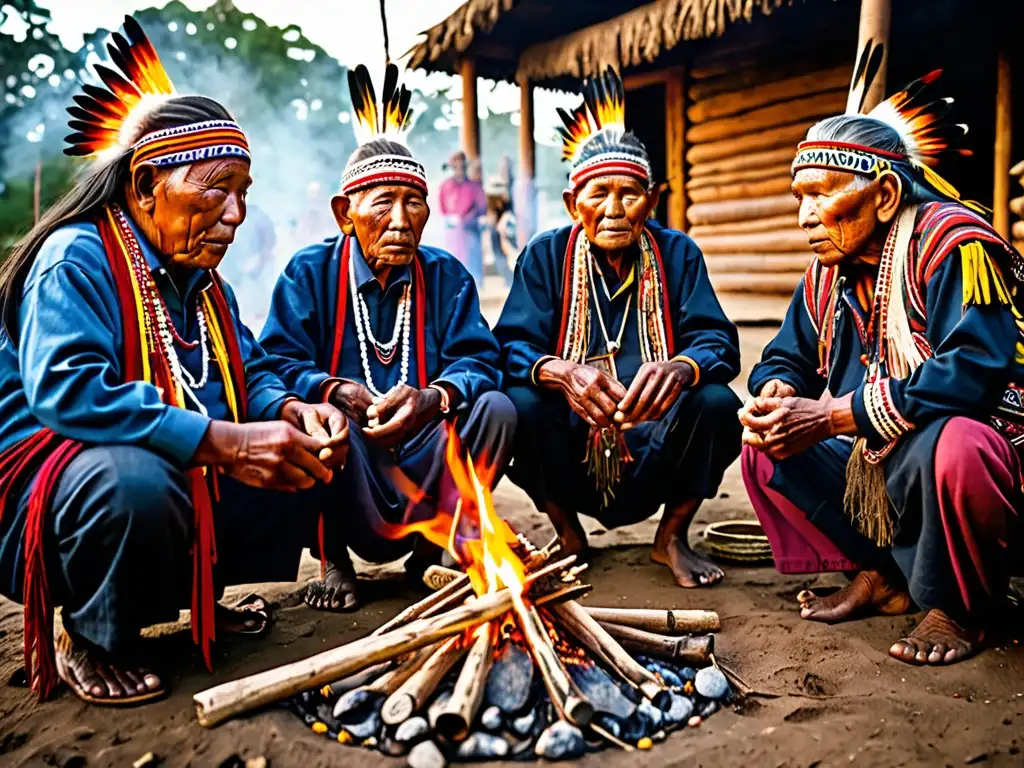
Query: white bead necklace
{"x": 401, "y": 334}
{"x": 185, "y": 379}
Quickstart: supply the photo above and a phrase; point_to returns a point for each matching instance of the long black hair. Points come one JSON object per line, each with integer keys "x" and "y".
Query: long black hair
{"x": 98, "y": 188}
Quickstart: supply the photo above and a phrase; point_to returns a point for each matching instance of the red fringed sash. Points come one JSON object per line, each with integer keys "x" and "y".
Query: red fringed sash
{"x": 567, "y": 268}
{"x": 45, "y": 455}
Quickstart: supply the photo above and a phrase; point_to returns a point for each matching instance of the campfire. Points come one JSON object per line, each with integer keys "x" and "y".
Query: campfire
{"x": 501, "y": 660}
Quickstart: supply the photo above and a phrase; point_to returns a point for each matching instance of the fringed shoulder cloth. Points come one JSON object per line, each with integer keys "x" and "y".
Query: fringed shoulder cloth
{"x": 921, "y": 239}
{"x": 40, "y": 459}
{"x": 606, "y": 448}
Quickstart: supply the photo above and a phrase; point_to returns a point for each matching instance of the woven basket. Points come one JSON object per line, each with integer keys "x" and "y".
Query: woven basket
{"x": 739, "y": 541}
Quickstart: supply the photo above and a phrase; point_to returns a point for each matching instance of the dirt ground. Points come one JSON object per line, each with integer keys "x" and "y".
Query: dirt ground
{"x": 826, "y": 696}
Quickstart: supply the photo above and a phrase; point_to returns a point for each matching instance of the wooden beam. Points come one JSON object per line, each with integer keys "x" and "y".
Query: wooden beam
{"x": 525, "y": 202}
{"x": 875, "y": 20}
{"x": 643, "y": 79}
{"x": 675, "y": 149}
{"x": 470, "y": 134}
{"x": 1004, "y": 144}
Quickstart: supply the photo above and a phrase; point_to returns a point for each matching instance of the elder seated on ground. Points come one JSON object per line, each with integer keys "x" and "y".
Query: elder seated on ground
{"x": 617, "y": 354}
{"x": 141, "y": 431}
{"x": 890, "y": 392}
{"x": 390, "y": 332}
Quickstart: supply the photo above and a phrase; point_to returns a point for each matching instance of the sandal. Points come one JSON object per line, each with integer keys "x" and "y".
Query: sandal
{"x": 68, "y": 657}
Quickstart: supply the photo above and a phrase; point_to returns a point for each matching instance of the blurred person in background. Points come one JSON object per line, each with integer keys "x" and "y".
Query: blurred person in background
{"x": 463, "y": 203}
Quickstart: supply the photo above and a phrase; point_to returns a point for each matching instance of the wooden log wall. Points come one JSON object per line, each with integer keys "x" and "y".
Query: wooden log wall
{"x": 742, "y": 132}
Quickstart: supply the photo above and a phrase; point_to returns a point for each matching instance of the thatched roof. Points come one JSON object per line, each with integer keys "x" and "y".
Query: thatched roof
{"x": 456, "y": 33}
{"x": 548, "y": 40}
{"x": 637, "y": 37}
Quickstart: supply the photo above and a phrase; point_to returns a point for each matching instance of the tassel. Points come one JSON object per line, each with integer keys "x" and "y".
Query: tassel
{"x": 606, "y": 453}
{"x": 204, "y": 555}
{"x": 866, "y": 500}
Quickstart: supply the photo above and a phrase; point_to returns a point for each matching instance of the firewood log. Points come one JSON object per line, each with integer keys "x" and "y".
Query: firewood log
{"x": 767, "y": 224}
{"x": 228, "y": 700}
{"x": 741, "y": 210}
{"x": 412, "y": 695}
{"x": 751, "y": 174}
{"x": 817, "y": 106}
{"x": 745, "y": 162}
{"x": 694, "y": 651}
{"x": 743, "y": 190}
{"x": 458, "y": 715}
{"x": 725, "y": 104}
{"x": 1017, "y": 230}
{"x": 792, "y": 239}
{"x": 782, "y": 136}
{"x": 670, "y": 620}
{"x": 782, "y": 284}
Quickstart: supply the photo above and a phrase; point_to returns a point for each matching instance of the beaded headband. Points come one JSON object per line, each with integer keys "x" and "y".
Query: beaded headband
{"x": 104, "y": 119}
{"x": 592, "y": 136}
{"x": 384, "y": 169}
{"x": 391, "y": 120}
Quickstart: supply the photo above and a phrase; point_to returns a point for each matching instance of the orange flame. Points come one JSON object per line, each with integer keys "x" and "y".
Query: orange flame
{"x": 479, "y": 540}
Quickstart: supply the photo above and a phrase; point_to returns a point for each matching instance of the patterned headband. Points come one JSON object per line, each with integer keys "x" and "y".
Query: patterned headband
{"x": 843, "y": 156}
{"x": 186, "y": 144}
{"x": 610, "y": 163}
{"x": 384, "y": 169}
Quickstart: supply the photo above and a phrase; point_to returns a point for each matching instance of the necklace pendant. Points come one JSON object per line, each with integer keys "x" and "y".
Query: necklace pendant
{"x": 384, "y": 357}
{"x": 613, "y": 347}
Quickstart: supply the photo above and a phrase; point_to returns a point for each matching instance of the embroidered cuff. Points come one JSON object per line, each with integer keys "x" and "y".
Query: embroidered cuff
{"x": 880, "y": 411}
{"x": 689, "y": 361}
{"x": 457, "y": 400}
{"x": 536, "y": 366}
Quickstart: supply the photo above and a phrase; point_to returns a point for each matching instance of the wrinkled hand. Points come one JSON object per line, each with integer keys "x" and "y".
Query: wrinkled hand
{"x": 654, "y": 390}
{"x": 322, "y": 421}
{"x": 786, "y": 426}
{"x": 777, "y": 388}
{"x": 771, "y": 389}
{"x": 266, "y": 454}
{"x": 400, "y": 413}
{"x": 352, "y": 399}
{"x": 593, "y": 394}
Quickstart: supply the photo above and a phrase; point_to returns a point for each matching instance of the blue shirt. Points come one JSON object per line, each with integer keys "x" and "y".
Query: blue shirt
{"x": 968, "y": 374}
{"x": 530, "y": 321}
{"x": 299, "y": 333}
{"x": 65, "y": 373}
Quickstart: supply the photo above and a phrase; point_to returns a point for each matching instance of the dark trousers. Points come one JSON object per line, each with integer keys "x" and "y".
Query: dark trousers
{"x": 370, "y": 484}
{"x": 955, "y": 487}
{"x": 681, "y": 456}
{"x": 120, "y": 536}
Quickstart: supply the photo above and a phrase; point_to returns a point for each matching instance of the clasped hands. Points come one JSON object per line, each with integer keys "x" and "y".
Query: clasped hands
{"x": 305, "y": 445}
{"x": 783, "y": 425}
{"x": 602, "y": 401}
{"x": 390, "y": 419}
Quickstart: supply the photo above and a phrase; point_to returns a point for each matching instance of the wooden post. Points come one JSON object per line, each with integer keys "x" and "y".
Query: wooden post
{"x": 675, "y": 131}
{"x": 875, "y": 20}
{"x": 525, "y": 192}
{"x": 1004, "y": 144}
{"x": 470, "y": 121}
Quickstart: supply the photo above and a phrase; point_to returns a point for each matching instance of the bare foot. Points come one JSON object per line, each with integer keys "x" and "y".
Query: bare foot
{"x": 97, "y": 678}
{"x": 570, "y": 531}
{"x": 690, "y": 569}
{"x": 336, "y": 591}
{"x": 249, "y": 617}
{"x": 868, "y": 592}
{"x": 937, "y": 640}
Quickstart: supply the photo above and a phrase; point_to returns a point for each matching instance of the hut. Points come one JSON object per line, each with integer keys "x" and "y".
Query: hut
{"x": 721, "y": 91}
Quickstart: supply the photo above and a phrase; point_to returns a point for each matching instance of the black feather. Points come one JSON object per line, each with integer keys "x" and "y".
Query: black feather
{"x": 134, "y": 30}
{"x": 874, "y": 64}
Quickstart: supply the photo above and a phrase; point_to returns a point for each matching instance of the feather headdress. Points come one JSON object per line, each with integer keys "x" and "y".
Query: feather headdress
{"x": 107, "y": 121}
{"x": 390, "y": 119}
{"x": 916, "y": 115}
{"x": 594, "y": 137}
